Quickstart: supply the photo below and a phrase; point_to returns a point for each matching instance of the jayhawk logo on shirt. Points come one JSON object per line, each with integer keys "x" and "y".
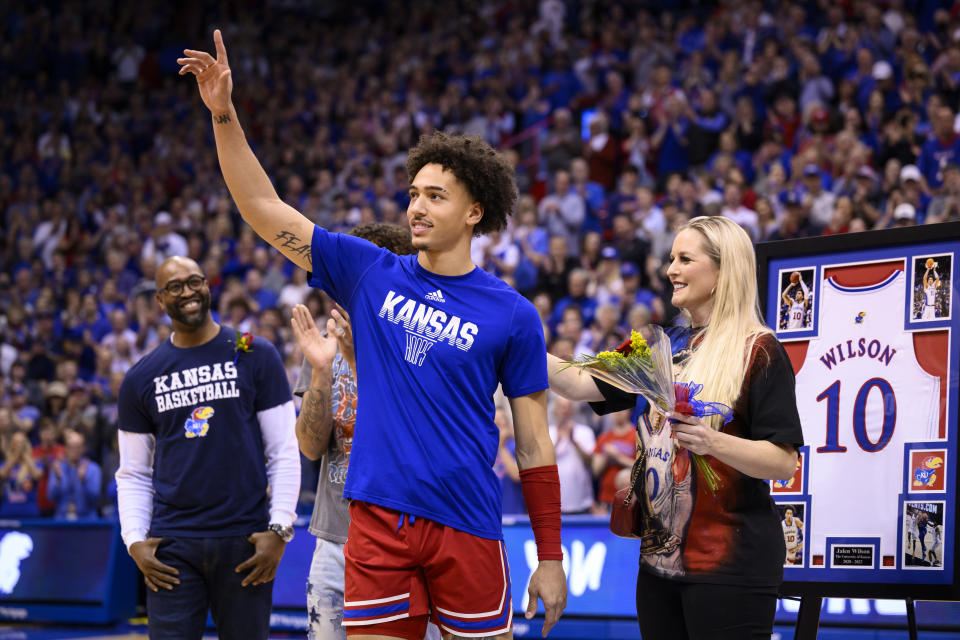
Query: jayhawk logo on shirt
{"x": 926, "y": 474}
{"x": 197, "y": 425}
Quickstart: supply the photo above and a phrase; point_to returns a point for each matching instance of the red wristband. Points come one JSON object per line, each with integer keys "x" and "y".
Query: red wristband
{"x": 541, "y": 494}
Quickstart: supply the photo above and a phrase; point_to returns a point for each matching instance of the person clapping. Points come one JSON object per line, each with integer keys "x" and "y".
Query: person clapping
{"x": 75, "y": 481}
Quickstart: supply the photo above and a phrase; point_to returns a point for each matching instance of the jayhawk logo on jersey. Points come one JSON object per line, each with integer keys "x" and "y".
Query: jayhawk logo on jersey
{"x": 197, "y": 424}
{"x": 860, "y": 317}
{"x": 926, "y": 474}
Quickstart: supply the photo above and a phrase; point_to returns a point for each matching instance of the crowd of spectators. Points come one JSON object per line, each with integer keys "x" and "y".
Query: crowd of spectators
{"x": 623, "y": 119}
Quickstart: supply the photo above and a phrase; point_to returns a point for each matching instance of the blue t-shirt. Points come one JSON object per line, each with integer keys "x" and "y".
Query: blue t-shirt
{"x": 201, "y": 404}
{"x": 935, "y": 155}
{"x": 430, "y": 352}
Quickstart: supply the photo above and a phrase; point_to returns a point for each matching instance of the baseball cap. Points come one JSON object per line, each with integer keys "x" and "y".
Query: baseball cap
{"x": 811, "y": 170}
{"x": 162, "y": 218}
{"x": 909, "y": 172}
{"x": 866, "y": 172}
{"x": 904, "y": 211}
{"x": 610, "y": 253}
{"x": 882, "y": 70}
{"x": 629, "y": 269}
{"x": 820, "y": 114}
{"x": 77, "y": 385}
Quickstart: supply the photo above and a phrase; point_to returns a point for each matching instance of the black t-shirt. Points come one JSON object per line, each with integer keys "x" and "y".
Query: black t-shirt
{"x": 733, "y": 537}
{"x": 201, "y": 404}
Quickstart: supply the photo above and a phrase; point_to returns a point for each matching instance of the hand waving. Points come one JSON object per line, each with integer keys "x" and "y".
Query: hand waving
{"x": 319, "y": 350}
{"x": 213, "y": 75}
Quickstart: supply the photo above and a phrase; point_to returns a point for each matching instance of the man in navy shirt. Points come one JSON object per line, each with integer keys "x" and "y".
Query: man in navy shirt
{"x": 434, "y": 336}
{"x": 209, "y": 468}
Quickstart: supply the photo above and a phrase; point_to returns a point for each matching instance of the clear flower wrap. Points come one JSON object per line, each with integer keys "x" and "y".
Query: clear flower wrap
{"x": 644, "y": 365}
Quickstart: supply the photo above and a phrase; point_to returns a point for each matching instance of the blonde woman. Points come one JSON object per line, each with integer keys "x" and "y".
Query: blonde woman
{"x": 20, "y": 475}
{"x": 710, "y": 565}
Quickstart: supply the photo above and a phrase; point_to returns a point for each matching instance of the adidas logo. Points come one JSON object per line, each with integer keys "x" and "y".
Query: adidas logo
{"x": 435, "y": 296}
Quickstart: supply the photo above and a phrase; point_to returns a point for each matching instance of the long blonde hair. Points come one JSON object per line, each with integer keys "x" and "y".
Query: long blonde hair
{"x": 720, "y": 360}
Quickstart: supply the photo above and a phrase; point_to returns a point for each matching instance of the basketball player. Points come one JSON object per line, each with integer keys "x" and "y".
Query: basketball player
{"x": 434, "y": 335}
{"x": 325, "y": 429}
{"x": 797, "y": 304}
{"x": 934, "y": 554}
{"x": 922, "y": 521}
{"x": 911, "y": 532}
{"x": 792, "y": 536}
{"x": 931, "y": 282}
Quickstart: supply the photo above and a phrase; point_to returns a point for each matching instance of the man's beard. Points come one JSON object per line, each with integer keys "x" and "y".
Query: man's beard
{"x": 192, "y": 319}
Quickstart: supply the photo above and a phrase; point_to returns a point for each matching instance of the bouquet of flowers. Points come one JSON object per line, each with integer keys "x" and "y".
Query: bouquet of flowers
{"x": 644, "y": 365}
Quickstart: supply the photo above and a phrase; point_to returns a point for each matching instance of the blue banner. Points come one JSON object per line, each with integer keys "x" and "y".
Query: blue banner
{"x": 65, "y": 572}
{"x": 601, "y": 581}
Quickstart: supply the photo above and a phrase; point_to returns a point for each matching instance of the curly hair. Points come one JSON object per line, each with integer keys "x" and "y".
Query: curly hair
{"x": 391, "y": 237}
{"x": 486, "y": 174}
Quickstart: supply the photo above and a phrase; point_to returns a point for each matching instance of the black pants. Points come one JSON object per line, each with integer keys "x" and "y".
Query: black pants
{"x": 672, "y": 610}
{"x": 207, "y": 581}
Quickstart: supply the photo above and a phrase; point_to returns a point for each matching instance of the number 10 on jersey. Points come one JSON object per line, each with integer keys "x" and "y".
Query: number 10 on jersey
{"x": 889, "y": 403}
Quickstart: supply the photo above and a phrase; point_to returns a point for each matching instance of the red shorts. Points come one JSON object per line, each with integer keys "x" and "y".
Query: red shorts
{"x": 402, "y": 569}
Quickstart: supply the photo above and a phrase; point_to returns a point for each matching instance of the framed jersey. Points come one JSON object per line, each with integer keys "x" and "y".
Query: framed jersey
{"x": 868, "y": 322}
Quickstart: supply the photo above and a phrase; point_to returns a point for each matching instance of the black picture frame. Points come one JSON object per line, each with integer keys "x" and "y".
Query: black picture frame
{"x": 822, "y": 248}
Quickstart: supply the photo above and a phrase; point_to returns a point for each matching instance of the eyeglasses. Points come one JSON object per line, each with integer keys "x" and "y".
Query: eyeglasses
{"x": 175, "y": 287}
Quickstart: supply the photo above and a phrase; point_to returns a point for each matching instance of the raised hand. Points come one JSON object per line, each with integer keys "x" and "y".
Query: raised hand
{"x": 213, "y": 76}
{"x": 319, "y": 350}
{"x": 339, "y": 326}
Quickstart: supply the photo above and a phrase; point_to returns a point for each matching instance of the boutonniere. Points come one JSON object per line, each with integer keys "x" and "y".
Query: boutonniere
{"x": 242, "y": 345}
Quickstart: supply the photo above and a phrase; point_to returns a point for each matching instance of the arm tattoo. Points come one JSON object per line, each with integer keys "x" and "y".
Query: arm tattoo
{"x": 315, "y": 422}
{"x": 221, "y": 118}
{"x": 294, "y": 245}
{"x": 316, "y": 416}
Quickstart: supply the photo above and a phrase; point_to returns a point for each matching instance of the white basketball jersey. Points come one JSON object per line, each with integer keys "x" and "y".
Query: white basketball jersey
{"x": 929, "y": 302}
{"x": 796, "y": 316}
{"x": 861, "y": 396}
{"x": 791, "y": 534}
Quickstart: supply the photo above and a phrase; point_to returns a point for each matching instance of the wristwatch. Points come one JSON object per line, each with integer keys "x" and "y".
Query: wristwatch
{"x": 285, "y": 533}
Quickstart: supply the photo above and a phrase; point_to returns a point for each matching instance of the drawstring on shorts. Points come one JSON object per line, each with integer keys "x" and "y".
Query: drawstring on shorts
{"x": 410, "y": 520}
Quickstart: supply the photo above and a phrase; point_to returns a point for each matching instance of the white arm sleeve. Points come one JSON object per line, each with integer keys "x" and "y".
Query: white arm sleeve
{"x": 135, "y": 485}
{"x": 806, "y": 289}
{"x": 283, "y": 461}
